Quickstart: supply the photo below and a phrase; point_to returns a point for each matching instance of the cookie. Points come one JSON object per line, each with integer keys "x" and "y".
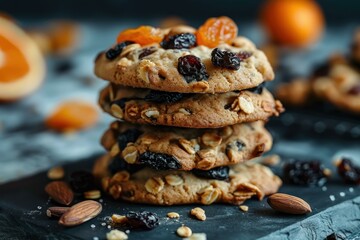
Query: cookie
{"x": 186, "y": 149}
{"x": 144, "y": 106}
{"x": 157, "y": 68}
{"x": 171, "y": 187}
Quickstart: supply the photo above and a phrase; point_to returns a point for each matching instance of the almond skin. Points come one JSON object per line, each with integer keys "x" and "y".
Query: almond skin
{"x": 60, "y": 192}
{"x": 288, "y": 204}
{"x": 80, "y": 213}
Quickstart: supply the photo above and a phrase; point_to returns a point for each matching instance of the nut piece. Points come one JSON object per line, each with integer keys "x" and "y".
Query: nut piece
{"x": 115, "y": 149}
{"x": 119, "y": 219}
{"x": 184, "y": 231}
{"x": 246, "y": 105}
{"x": 154, "y": 185}
{"x": 209, "y": 195}
{"x": 173, "y": 215}
{"x": 244, "y": 208}
{"x": 116, "y": 235}
{"x": 80, "y": 213}
{"x": 56, "y": 173}
{"x": 119, "y": 177}
{"x": 56, "y": 211}
{"x": 93, "y": 194}
{"x": 197, "y": 236}
{"x": 60, "y": 192}
{"x": 174, "y": 180}
{"x": 187, "y": 146}
{"x": 288, "y": 204}
{"x": 199, "y": 213}
{"x": 152, "y": 113}
{"x": 211, "y": 139}
{"x": 116, "y": 111}
{"x": 130, "y": 154}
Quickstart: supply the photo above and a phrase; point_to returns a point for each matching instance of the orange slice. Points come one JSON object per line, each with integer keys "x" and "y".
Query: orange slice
{"x": 22, "y": 66}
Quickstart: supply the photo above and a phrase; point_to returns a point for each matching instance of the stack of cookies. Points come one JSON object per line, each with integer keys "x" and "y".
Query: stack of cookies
{"x": 191, "y": 107}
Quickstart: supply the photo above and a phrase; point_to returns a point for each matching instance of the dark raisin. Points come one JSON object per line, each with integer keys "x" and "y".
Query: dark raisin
{"x": 321, "y": 70}
{"x": 225, "y": 59}
{"x": 244, "y": 55}
{"x": 118, "y": 164}
{"x": 309, "y": 173}
{"x": 127, "y": 194}
{"x": 64, "y": 66}
{"x": 240, "y": 145}
{"x": 142, "y": 220}
{"x": 159, "y": 161}
{"x": 192, "y": 68}
{"x": 258, "y": 89}
{"x": 355, "y": 90}
{"x": 348, "y": 171}
{"x": 219, "y": 173}
{"x": 179, "y": 41}
{"x": 130, "y": 135}
{"x": 120, "y": 102}
{"x": 164, "y": 97}
{"x": 82, "y": 181}
{"x": 112, "y": 53}
{"x": 146, "y": 52}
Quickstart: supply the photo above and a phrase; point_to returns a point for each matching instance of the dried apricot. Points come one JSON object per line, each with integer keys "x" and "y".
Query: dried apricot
{"x": 215, "y": 31}
{"x": 73, "y": 115}
{"x": 142, "y": 35}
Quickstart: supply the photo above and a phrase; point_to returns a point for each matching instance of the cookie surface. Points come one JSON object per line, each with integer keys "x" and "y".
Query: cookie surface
{"x": 144, "y": 106}
{"x": 186, "y": 149}
{"x": 180, "y": 187}
{"x": 156, "y": 68}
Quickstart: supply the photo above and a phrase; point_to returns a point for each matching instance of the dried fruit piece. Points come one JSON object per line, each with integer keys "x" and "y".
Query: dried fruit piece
{"x": 142, "y": 220}
{"x": 73, "y": 115}
{"x": 80, "y": 213}
{"x": 219, "y": 173}
{"x": 216, "y": 31}
{"x": 348, "y": 171}
{"x": 114, "y": 52}
{"x": 225, "y": 59}
{"x": 192, "y": 69}
{"x": 159, "y": 161}
{"x": 164, "y": 97}
{"x": 82, "y": 181}
{"x": 179, "y": 41}
{"x": 258, "y": 89}
{"x": 118, "y": 164}
{"x": 128, "y": 136}
{"x": 288, "y": 204}
{"x": 305, "y": 173}
{"x": 142, "y": 35}
{"x": 60, "y": 192}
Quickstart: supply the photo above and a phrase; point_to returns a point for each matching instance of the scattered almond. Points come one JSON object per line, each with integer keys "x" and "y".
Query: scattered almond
{"x": 56, "y": 211}
{"x": 60, "y": 192}
{"x": 80, "y": 213}
{"x": 56, "y": 173}
{"x": 184, "y": 231}
{"x": 288, "y": 204}
{"x": 199, "y": 213}
{"x": 244, "y": 208}
{"x": 173, "y": 215}
{"x": 116, "y": 235}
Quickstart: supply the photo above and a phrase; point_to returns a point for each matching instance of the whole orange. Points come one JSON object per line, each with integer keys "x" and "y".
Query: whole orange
{"x": 294, "y": 23}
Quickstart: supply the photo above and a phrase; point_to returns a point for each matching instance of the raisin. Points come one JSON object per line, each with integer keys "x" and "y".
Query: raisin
{"x": 258, "y": 89}
{"x": 309, "y": 173}
{"x": 348, "y": 171}
{"x": 146, "y": 52}
{"x": 192, "y": 68}
{"x": 142, "y": 220}
{"x": 179, "y": 41}
{"x": 321, "y": 70}
{"x": 130, "y": 135}
{"x": 112, "y": 53}
{"x": 82, "y": 181}
{"x": 159, "y": 161}
{"x": 164, "y": 97}
{"x": 219, "y": 173}
{"x": 355, "y": 90}
{"x": 118, "y": 164}
{"x": 225, "y": 59}
{"x": 244, "y": 55}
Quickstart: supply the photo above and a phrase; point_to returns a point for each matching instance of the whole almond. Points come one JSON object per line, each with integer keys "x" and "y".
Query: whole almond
{"x": 288, "y": 204}
{"x": 60, "y": 192}
{"x": 56, "y": 211}
{"x": 80, "y": 213}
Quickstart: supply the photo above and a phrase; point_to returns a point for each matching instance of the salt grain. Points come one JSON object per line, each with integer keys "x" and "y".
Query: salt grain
{"x": 92, "y": 226}
{"x": 351, "y": 189}
{"x": 101, "y": 200}
{"x": 109, "y": 227}
{"x": 95, "y": 238}
{"x": 332, "y": 197}
{"x": 103, "y": 224}
{"x": 127, "y": 231}
{"x": 39, "y": 207}
{"x": 342, "y": 194}
{"x": 324, "y": 188}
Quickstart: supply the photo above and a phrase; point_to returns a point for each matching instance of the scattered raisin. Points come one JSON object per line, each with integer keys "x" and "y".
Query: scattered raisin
{"x": 219, "y": 173}
{"x": 118, "y": 164}
{"x": 355, "y": 90}
{"x": 179, "y": 41}
{"x": 309, "y": 173}
{"x": 192, "y": 68}
{"x": 164, "y": 97}
{"x": 159, "y": 161}
{"x": 130, "y": 135}
{"x": 112, "y": 53}
{"x": 258, "y": 89}
{"x": 225, "y": 59}
{"x": 146, "y": 52}
{"x": 82, "y": 181}
{"x": 142, "y": 220}
{"x": 348, "y": 171}
{"x": 244, "y": 55}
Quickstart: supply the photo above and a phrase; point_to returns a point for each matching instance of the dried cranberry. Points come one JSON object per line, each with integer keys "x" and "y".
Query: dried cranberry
{"x": 159, "y": 161}
{"x": 355, "y": 90}
{"x": 118, "y": 164}
{"x": 258, "y": 89}
{"x": 244, "y": 55}
{"x": 192, "y": 68}
{"x": 179, "y": 41}
{"x": 146, "y": 52}
{"x": 82, "y": 181}
{"x": 348, "y": 171}
{"x": 112, "y": 53}
{"x": 225, "y": 59}
{"x": 164, "y": 97}
{"x": 309, "y": 173}
{"x": 219, "y": 173}
{"x": 142, "y": 220}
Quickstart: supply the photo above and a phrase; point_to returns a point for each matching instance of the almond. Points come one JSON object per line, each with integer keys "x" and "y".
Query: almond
{"x": 80, "y": 213}
{"x": 60, "y": 192}
{"x": 288, "y": 204}
{"x": 56, "y": 211}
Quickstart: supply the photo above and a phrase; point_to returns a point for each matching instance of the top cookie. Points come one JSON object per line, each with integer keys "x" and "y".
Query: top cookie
{"x": 181, "y": 63}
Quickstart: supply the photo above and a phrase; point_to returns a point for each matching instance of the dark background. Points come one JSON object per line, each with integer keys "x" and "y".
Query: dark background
{"x": 336, "y": 11}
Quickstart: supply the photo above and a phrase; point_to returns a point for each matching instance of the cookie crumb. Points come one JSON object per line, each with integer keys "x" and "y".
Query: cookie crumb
{"x": 324, "y": 188}
{"x": 116, "y": 235}
{"x": 332, "y": 197}
{"x": 173, "y": 215}
{"x": 197, "y": 236}
{"x": 342, "y": 194}
{"x": 118, "y": 219}
{"x": 184, "y": 231}
{"x": 199, "y": 213}
{"x": 351, "y": 189}
{"x": 244, "y": 208}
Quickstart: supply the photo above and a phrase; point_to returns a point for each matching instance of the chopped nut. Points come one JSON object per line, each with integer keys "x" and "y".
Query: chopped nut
{"x": 93, "y": 194}
{"x": 143, "y": 70}
{"x": 246, "y": 105}
{"x": 231, "y": 154}
{"x": 173, "y": 215}
{"x": 201, "y": 86}
{"x": 116, "y": 111}
{"x": 119, "y": 219}
{"x": 199, "y": 213}
{"x": 184, "y": 231}
{"x": 211, "y": 140}
{"x": 130, "y": 154}
{"x": 116, "y": 235}
{"x": 129, "y": 48}
{"x": 115, "y": 191}
{"x": 196, "y": 236}
{"x": 154, "y": 185}
{"x": 115, "y": 150}
{"x": 244, "y": 208}
{"x": 120, "y": 177}
{"x": 187, "y": 146}
{"x": 56, "y": 173}
{"x": 267, "y": 106}
{"x": 209, "y": 196}
{"x": 174, "y": 180}
{"x": 152, "y": 113}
